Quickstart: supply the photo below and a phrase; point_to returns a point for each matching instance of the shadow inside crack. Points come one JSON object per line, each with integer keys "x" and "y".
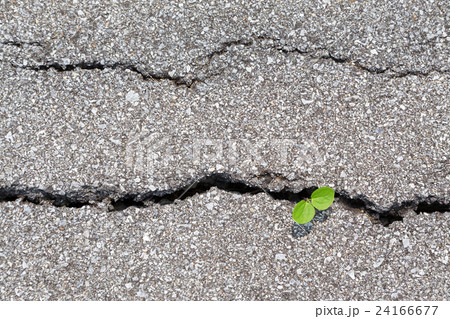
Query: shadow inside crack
{"x": 89, "y": 195}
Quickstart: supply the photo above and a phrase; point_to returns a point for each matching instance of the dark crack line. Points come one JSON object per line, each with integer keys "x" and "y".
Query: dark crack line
{"x": 189, "y": 81}
{"x": 224, "y": 47}
{"x": 20, "y": 44}
{"x": 94, "y": 65}
{"x": 390, "y": 71}
{"x": 279, "y": 46}
{"x": 90, "y": 195}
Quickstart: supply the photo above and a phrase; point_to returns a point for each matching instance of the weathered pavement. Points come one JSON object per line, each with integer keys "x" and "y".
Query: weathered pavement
{"x": 110, "y": 105}
{"x": 218, "y": 245}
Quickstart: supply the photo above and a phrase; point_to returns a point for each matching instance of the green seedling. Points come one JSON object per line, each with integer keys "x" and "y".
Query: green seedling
{"x": 321, "y": 198}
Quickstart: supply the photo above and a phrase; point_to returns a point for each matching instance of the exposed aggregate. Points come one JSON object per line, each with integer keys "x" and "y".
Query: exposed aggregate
{"x": 217, "y": 245}
{"x": 271, "y": 119}
{"x": 282, "y": 94}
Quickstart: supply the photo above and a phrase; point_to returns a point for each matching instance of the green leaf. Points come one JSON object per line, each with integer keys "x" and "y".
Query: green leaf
{"x": 322, "y": 198}
{"x": 303, "y": 212}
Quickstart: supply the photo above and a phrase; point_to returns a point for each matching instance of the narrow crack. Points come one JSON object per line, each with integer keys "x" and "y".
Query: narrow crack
{"x": 90, "y": 195}
{"x": 390, "y": 71}
{"x": 94, "y": 65}
{"x": 190, "y": 80}
{"x": 280, "y": 46}
{"x": 226, "y": 45}
{"x": 20, "y": 44}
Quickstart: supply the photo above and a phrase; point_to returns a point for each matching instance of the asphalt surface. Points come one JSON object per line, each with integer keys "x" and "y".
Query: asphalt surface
{"x": 296, "y": 123}
{"x": 174, "y": 36}
{"x": 123, "y": 101}
{"x": 218, "y": 246}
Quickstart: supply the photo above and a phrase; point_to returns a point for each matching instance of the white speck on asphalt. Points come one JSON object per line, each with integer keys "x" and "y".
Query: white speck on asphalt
{"x": 280, "y": 257}
{"x": 378, "y": 262}
{"x": 132, "y": 97}
{"x": 406, "y": 242}
{"x": 351, "y": 274}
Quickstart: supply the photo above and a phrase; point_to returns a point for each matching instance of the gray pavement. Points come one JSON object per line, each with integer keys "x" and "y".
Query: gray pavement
{"x": 179, "y": 36}
{"x": 218, "y": 246}
{"x": 295, "y": 122}
{"x": 131, "y": 102}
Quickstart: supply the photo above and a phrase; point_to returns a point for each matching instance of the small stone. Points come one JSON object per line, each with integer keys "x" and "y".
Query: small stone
{"x": 146, "y": 237}
{"x": 351, "y": 274}
{"x": 9, "y": 137}
{"x": 406, "y": 242}
{"x": 377, "y": 263}
{"x": 141, "y": 294}
{"x": 132, "y": 97}
{"x": 304, "y": 101}
{"x": 280, "y": 257}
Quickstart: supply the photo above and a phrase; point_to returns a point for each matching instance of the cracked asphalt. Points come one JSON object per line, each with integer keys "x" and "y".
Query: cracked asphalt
{"x": 125, "y": 99}
{"x": 218, "y": 246}
{"x": 174, "y": 36}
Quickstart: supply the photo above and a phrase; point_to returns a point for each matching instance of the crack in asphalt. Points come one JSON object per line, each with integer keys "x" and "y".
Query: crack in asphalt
{"x": 156, "y": 76}
{"x": 392, "y": 73}
{"x": 221, "y": 181}
{"x": 190, "y": 80}
{"x": 91, "y": 195}
{"x": 20, "y": 44}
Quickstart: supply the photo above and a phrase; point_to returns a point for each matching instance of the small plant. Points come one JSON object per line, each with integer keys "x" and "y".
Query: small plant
{"x": 321, "y": 198}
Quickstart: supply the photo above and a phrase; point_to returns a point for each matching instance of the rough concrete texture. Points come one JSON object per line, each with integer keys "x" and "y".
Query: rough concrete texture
{"x": 179, "y": 36}
{"x": 131, "y": 104}
{"x": 272, "y": 119}
{"x": 218, "y": 245}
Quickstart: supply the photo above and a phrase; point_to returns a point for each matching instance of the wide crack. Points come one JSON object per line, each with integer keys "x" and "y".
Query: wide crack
{"x": 90, "y": 195}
